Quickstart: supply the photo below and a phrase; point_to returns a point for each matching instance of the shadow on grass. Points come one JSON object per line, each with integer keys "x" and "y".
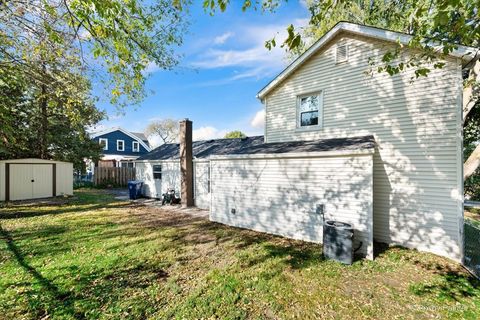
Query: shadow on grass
{"x": 63, "y": 300}
{"x": 451, "y": 285}
{"x": 69, "y": 208}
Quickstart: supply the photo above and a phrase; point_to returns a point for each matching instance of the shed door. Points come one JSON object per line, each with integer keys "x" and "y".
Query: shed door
{"x": 21, "y": 186}
{"x": 30, "y": 181}
{"x": 42, "y": 175}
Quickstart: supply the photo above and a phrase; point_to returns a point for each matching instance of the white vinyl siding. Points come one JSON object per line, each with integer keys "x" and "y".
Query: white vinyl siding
{"x": 280, "y": 195}
{"x": 417, "y": 126}
{"x": 201, "y": 174}
{"x": 154, "y": 188}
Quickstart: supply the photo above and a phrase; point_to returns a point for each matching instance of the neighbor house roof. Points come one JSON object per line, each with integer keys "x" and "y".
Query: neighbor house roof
{"x": 256, "y": 146}
{"x": 467, "y": 54}
{"x": 140, "y": 137}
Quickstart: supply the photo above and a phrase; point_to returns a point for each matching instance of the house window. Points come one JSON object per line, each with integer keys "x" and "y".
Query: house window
{"x": 104, "y": 143}
{"x": 157, "y": 171}
{"x": 135, "y": 146}
{"x": 341, "y": 53}
{"x": 128, "y": 164}
{"x": 120, "y": 145}
{"x": 310, "y": 110}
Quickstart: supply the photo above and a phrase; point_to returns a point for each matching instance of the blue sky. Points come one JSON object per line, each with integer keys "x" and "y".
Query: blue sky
{"x": 224, "y": 65}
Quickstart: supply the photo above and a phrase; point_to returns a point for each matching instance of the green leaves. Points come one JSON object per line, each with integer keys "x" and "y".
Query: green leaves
{"x": 121, "y": 36}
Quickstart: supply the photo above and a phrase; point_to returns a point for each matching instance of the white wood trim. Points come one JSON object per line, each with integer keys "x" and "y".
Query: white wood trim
{"x": 318, "y": 154}
{"x": 106, "y": 143}
{"x": 463, "y": 52}
{"x": 123, "y": 145}
{"x": 138, "y": 146}
{"x": 460, "y": 160}
{"x": 318, "y": 126}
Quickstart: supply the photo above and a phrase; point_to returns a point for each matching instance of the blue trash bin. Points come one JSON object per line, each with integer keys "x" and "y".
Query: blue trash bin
{"x": 135, "y": 189}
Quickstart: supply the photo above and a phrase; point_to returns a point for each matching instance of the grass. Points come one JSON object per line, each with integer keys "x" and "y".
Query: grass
{"x": 472, "y": 215}
{"x": 94, "y": 257}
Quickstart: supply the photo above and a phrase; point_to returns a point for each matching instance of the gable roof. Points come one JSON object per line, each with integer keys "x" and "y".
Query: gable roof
{"x": 256, "y": 146}
{"x": 128, "y": 133}
{"x": 467, "y": 54}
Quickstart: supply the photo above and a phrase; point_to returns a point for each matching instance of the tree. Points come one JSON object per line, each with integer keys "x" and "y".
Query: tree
{"x": 125, "y": 37}
{"x": 437, "y": 27}
{"x": 167, "y": 130}
{"x": 235, "y": 134}
{"x": 44, "y": 120}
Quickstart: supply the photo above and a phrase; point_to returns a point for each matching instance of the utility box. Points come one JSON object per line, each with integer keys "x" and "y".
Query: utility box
{"x": 135, "y": 189}
{"x": 338, "y": 241}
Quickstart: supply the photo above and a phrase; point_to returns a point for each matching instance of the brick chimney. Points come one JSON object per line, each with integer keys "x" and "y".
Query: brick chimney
{"x": 186, "y": 163}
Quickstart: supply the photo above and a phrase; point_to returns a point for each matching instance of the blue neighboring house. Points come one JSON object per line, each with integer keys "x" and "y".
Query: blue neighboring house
{"x": 120, "y": 147}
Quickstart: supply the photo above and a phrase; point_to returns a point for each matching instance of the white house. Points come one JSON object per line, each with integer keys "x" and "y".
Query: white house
{"x": 381, "y": 152}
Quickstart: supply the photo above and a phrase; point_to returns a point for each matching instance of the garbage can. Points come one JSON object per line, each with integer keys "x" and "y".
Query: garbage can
{"x": 135, "y": 189}
{"x": 338, "y": 241}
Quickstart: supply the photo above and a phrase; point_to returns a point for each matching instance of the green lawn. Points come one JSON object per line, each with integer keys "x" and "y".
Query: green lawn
{"x": 94, "y": 257}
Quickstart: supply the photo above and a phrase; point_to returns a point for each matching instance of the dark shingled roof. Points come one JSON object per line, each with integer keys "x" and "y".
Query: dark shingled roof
{"x": 140, "y": 135}
{"x": 256, "y": 145}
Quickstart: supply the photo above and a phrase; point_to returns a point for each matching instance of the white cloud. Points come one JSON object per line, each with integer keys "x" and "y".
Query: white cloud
{"x": 155, "y": 141}
{"x": 258, "y": 121}
{"x": 152, "y": 67}
{"x": 249, "y": 53}
{"x": 221, "y": 39}
{"x": 208, "y": 132}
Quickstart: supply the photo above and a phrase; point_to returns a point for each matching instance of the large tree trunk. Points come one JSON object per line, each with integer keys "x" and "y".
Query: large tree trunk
{"x": 43, "y": 130}
{"x": 470, "y": 98}
{"x": 472, "y": 163}
{"x": 43, "y": 123}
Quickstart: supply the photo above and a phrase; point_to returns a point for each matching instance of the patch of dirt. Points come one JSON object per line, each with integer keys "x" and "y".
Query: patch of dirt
{"x": 44, "y": 202}
{"x": 472, "y": 215}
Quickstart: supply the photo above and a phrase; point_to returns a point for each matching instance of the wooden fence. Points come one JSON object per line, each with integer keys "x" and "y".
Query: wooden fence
{"x": 116, "y": 177}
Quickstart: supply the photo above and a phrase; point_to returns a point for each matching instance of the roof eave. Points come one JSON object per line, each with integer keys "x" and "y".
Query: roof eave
{"x": 467, "y": 54}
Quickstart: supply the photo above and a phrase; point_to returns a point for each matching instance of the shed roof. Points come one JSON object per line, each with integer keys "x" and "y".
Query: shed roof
{"x": 32, "y": 161}
{"x": 256, "y": 145}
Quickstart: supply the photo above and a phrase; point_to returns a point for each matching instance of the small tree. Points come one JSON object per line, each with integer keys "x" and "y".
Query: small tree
{"x": 166, "y": 129}
{"x": 235, "y": 134}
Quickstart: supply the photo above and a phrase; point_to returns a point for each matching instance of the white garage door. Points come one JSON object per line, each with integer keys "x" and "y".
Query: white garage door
{"x": 30, "y": 181}
{"x": 286, "y": 196}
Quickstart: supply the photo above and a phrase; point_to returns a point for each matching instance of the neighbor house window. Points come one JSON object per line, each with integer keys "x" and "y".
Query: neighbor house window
{"x": 120, "y": 145}
{"x": 104, "y": 143}
{"x": 157, "y": 171}
{"x": 310, "y": 110}
{"x": 135, "y": 146}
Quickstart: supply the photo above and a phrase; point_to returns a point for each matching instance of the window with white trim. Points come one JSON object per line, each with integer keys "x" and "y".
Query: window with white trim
{"x": 310, "y": 110}
{"x": 120, "y": 145}
{"x": 157, "y": 171}
{"x": 104, "y": 143}
{"x": 135, "y": 146}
